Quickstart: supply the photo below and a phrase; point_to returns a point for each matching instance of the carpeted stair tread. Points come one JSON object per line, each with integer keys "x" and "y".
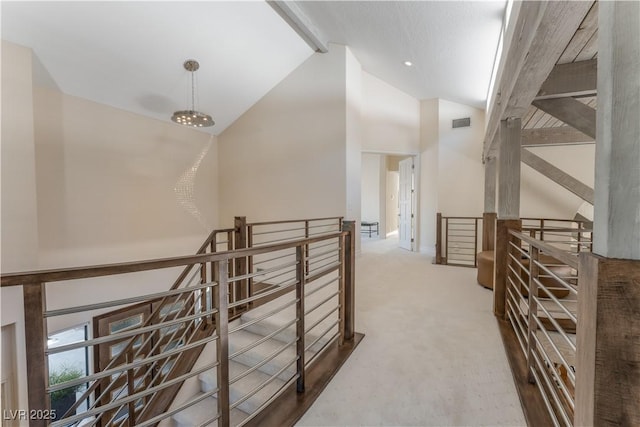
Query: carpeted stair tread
{"x": 238, "y": 389}
{"x": 202, "y": 411}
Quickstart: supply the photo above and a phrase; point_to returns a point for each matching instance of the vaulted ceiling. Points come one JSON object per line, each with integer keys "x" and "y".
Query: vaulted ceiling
{"x": 129, "y": 55}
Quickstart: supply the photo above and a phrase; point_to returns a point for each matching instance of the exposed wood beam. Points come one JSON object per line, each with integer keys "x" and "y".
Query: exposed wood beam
{"x": 542, "y": 31}
{"x": 572, "y": 112}
{"x": 572, "y": 79}
{"x": 557, "y": 175}
{"x": 565, "y": 135}
{"x": 509, "y": 169}
{"x": 301, "y": 24}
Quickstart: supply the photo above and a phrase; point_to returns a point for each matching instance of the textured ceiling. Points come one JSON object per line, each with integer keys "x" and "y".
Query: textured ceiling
{"x": 129, "y": 54}
{"x": 452, "y": 44}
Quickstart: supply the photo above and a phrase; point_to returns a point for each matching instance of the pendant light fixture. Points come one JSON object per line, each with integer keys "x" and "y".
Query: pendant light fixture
{"x": 192, "y": 117}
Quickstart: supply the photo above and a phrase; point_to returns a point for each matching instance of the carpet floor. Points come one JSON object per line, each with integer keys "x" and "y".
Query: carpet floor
{"x": 432, "y": 354}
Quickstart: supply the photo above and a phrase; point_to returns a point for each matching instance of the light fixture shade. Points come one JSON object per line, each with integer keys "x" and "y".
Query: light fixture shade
{"x": 192, "y": 117}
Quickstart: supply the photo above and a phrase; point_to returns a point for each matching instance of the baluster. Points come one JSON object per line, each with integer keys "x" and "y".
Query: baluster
{"x": 349, "y": 283}
{"x": 222, "y": 350}
{"x": 534, "y": 272}
{"x": 241, "y": 291}
{"x": 301, "y": 259}
{"x": 36, "y": 346}
{"x": 306, "y": 247}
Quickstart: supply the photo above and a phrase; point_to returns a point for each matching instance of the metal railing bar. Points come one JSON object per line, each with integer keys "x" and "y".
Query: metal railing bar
{"x": 262, "y": 273}
{"x": 127, "y": 334}
{"x": 125, "y": 301}
{"x": 552, "y": 389}
{"x": 35, "y": 278}
{"x": 317, "y": 322}
{"x": 558, "y": 327}
{"x": 332, "y": 252}
{"x": 270, "y": 242}
{"x": 323, "y": 273}
{"x": 522, "y": 282}
{"x": 329, "y": 218}
{"x": 320, "y": 287}
{"x": 264, "y": 361}
{"x": 330, "y": 264}
{"x": 333, "y": 257}
{"x": 284, "y": 230}
{"x": 127, "y": 366}
{"x": 324, "y": 301}
{"x": 273, "y": 259}
{"x": 520, "y": 311}
{"x": 282, "y": 285}
{"x": 263, "y": 385}
{"x": 553, "y": 298}
{"x": 564, "y": 361}
{"x": 133, "y": 397}
{"x": 264, "y": 316}
{"x": 263, "y": 294}
{"x": 268, "y": 278}
{"x": 515, "y": 327}
{"x": 519, "y": 249}
{"x": 335, "y": 244}
{"x": 262, "y": 340}
{"x": 326, "y": 331}
{"x": 325, "y": 346}
{"x": 546, "y": 248}
{"x": 545, "y": 399}
{"x": 559, "y": 279}
{"x": 277, "y": 394}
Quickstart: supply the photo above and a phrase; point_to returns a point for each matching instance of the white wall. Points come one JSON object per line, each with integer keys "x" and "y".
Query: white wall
{"x": 371, "y": 187}
{"x": 353, "y": 83}
{"x": 286, "y": 156}
{"x": 428, "y": 192}
{"x": 460, "y": 168}
{"x": 86, "y": 184}
{"x": 390, "y": 118}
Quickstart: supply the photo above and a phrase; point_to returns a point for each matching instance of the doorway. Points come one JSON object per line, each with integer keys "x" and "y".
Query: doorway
{"x": 389, "y": 197}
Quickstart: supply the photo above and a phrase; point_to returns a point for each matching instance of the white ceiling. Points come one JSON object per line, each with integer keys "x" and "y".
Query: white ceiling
{"x": 129, "y": 54}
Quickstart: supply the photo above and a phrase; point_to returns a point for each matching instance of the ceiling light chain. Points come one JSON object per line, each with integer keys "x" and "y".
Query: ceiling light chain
{"x": 192, "y": 117}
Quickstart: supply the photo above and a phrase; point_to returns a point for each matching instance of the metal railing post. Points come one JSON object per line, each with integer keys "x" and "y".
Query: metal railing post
{"x": 534, "y": 272}
{"x": 350, "y": 279}
{"x": 300, "y": 343}
{"x": 36, "y": 346}
{"x": 240, "y": 286}
{"x": 222, "y": 353}
{"x": 438, "y": 238}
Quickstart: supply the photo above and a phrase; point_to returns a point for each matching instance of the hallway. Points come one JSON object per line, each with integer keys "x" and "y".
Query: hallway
{"x": 432, "y": 354}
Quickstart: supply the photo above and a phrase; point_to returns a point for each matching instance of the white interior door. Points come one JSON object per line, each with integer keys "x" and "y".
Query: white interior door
{"x": 405, "y": 204}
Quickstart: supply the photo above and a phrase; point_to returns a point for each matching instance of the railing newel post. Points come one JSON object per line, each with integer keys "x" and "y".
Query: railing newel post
{"x": 349, "y": 283}
{"x": 221, "y": 303}
{"x": 300, "y": 313}
{"x": 36, "y": 345}
{"x": 438, "y": 238}
{"x": 240, "y": 286}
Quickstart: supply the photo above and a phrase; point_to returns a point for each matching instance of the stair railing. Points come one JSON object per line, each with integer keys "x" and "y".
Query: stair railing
{"x": 203, "y": 317}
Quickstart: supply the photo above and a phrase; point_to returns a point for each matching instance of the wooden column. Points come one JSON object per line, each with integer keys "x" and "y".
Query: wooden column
{"x": 509, "y": 169}
{"x": 608, "y": 341}
{"x": 489, "y": 215}
{"x": 36, "y": 346}
{"x": 508, "y": 207}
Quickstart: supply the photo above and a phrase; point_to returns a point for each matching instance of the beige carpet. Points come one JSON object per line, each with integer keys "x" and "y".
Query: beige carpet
{"x": 432, "y": 354}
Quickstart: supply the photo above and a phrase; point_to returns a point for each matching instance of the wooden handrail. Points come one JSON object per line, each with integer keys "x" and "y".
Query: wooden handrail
{"x": 294, "y": 220}
{"x": 57, "y": 275}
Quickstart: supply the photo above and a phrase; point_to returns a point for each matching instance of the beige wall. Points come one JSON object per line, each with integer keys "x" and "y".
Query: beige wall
{"x": 460, "y": 169}
{"x": 370, "y": 186}
{"x": 286, "y": 157}
{"x": 428, "y": 193}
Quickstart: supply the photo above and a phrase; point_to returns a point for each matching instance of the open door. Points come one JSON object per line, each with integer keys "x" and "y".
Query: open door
{"x": 405, "y": 204}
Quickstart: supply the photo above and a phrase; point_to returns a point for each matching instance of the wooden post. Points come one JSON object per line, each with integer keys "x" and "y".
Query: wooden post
{"x": 490, "y": 184}
{"x": 509, "y": 169}
{"x": 36, "y": 346}
{"x": 438, "y": 238}
{"x": 222, "y": 349}
{"x": 240, "y": 240}
{"x": 350, "y": 279}
{"x": 301, "y": 259}
{"x": 488, "y": 231}
{"x": 608, "y": 330}
{"x": 501, "y": 258}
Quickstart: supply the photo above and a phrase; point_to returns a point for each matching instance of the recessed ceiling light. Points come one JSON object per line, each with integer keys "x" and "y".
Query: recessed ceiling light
{"x": 408, "y": 63}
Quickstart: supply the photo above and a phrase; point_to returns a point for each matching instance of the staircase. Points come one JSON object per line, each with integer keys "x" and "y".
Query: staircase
{"x": 262, "y": 356}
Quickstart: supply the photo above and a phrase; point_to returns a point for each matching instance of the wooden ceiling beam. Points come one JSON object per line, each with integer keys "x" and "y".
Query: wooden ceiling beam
{"x": 572, "y": 112}
{"x": 564, "y": 135}
{"x": 541, "y": 31}
{"x": 557, "y": 175}
{"x": 572, "y": 79}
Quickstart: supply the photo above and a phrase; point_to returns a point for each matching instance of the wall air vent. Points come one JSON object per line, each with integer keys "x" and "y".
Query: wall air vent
{"x": 461, "y": 123}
